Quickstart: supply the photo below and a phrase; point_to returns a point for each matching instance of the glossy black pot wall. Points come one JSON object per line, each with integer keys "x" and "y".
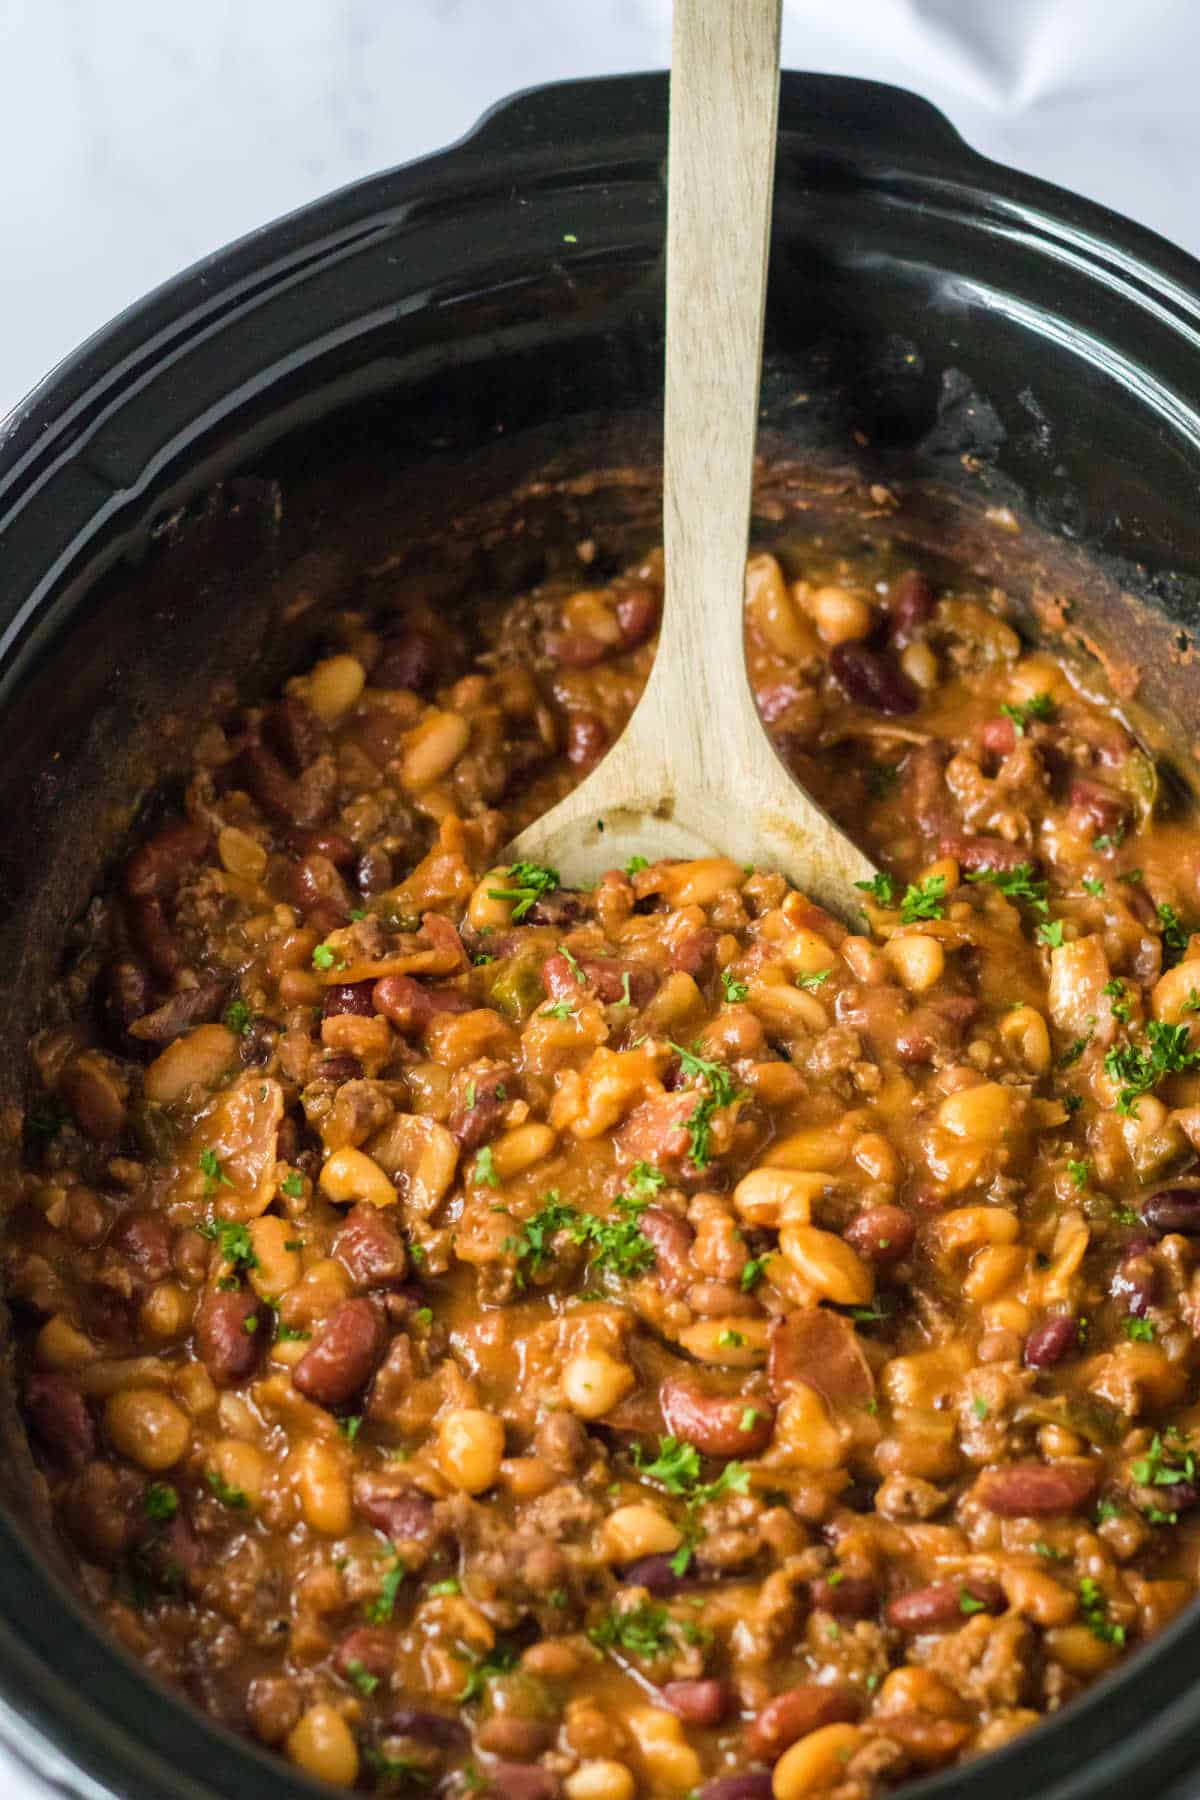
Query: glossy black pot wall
{"x": 987, "y": 347}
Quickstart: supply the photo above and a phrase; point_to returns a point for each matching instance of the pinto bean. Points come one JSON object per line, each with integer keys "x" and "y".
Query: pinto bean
{"x": 754, "y": 1785}
{"x": 910, "y": 607}
{"x": 883, "y": 1234}
{"x": 1173, "y": 1210}
{"x": 871, "y": 680}
{"x": 522, "y": 1781}
{"x": 354, "y": 997}
{"x": 370, "y": 1648}
{"x": 408, "y": 659}
{"x": 401, "y": 1514}
{"x": 145, "y": 1239}
{"x": 672, "y": 1238}
{"x": 158, "y": 865}
{"x": 370, "y": 1248}
{"x": 718, "y": 1424}
{"x": 852, "y": 1597}
{"x": 1050, "y": 1341}
{"x": 344, "y": 1357}
{"x": 228, "y": 1351}
{"x": 944, "y": 1603}
{"x": 586, "y": 739}
{"x": 59, "y": 1418}
{"x": 1031, "y": 1490}
{"x": 797, "y": 1711}
{"x": 698, "y": 1702}
{"x": 477, "y": 1123}
{"x": 928, "y": 1741}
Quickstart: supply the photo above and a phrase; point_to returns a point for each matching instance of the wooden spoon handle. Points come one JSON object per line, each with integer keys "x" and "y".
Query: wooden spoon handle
{"x": 721, "y": 166}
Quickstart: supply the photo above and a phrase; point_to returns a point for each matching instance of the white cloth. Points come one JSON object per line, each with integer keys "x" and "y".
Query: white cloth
{"x": 138, "y": 136}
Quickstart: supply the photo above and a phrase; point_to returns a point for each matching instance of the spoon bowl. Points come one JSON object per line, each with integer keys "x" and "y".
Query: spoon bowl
{"x": 694, "y": 773}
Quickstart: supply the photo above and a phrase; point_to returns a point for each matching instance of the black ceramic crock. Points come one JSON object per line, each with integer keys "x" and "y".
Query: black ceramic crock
{"x": 1018, "y": 367}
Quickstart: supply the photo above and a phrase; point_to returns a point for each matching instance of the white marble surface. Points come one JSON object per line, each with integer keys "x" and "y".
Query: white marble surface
{"x": 137, "y": 135}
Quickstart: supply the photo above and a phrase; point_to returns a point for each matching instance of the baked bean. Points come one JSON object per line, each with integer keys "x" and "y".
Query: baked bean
{"x": 344, "y": 1357}
{"x": 470, "y": 1449}
{"x": 147, "y": 1427}
{"x": 323, "y": 1746}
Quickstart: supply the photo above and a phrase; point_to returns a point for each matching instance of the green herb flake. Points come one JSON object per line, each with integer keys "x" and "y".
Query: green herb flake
{"x": 1139, "y": 1331}
{"x": 379, "y": 1610}
{"x": 528, "y": 882}
{"x": 574, "y": 967}
{"x": 238, "y": 1017}
{"x": 644, "y": 1631}
{"x": 350, "y": 1426}
{"x": 735, "y": 990}
{"x": 1109, "y": 841}
{"x": 1136, "y": 1070}
{"x": 979, "y": 1407}
{"x": 501, "y": 1659}
{"x": 1017, "y": 884}
{"x": 881, "y": 888}
{"x": 233, "y": 1241}
{"x": 160, "y": 1501}
{"x": 924, "y": 900}
{"x": 365, "y": 1682}
{"x": 814, "y": 981}
{"x": 227, "y": 1495}
{"x": 437, "y": 1588}
{"x": 1093, "y": 885}
{"x": 1079, "y": 1173}
{"x": 753, "y": 1271}
{"x": 967, "y": 1603}
{"x": 214, "y": 1176}
{"x": 423, "y": 1317}
{"x": 293, "y": 1185}
{"x": 1094, "y": 1608}
{"x": 562, "y": 1009}
{"x": 1050, "y": 933}
{"x": 749, "y": 1419}
{"x": 635, "y": 864}
{"x": 1174, "y": 936}
{"x": 731, "y": 1340}
{"x": 484, "y": 1168}
{"x": 323, "y": 957}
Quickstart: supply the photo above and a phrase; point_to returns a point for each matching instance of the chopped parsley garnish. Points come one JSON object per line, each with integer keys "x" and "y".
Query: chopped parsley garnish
{"x": 753, "y": 1270}
{"x": 380, "y": 1610}
{"x": 500, "y": 1659}
{"x": 1079, "y": 1173}
{"x": 979, "y": 1407}
{"x": 1094, "y": 1608}
{"x": 227, "y": 1495}
{"x": 1174, "y": 936}
{"x": 676, "y": 1468}
{"x": 924, "y": 900}
{"x": 1105, "y": 1510}
{"x": 881, "y": 778}
{"x": 472, "y": 1096}
{"x": 1038, "y": 706}
{"x": 1109, "y": 840}
{"x": 634, "y": 864}
{"x": 749, "y": 1419}
{"x": 881, "y": 888}
{"x": 735, "y": 990}
{"x": 437, "y": 1588}
{"x": 1137, "y": 1070}
{"x": 323, "y": 957}
{"x": 644, "y": 1631}
{"x": 562, "y": 1009}
{"x": 288, "y": 1334}
{"x": 401, "y": 1769}
{"x": 1093, "y": 885}
{"x": 532, "y": 1248}
{"x": 616, "y": 1244}
{"x": 626, "y": 997}
{"x": 1139, "y": 1331}
{"x": 233, "y": 1241}
{"x": 1115, "y": 991}
{"x": 214, "y": 1176}
{"x": 644, "y": 1180}
{"x": 1074, "y": 1051}
{"x": 814, "y": 981}
{"x": 484, "y": 1169}
{"x": 1133, "y": 876}
{"x": 46, "y": 1118}
{"x": 1050, "y": 933}
{"x": 292, "y": 1185}
{"x": 160, "y": 1501}
{"x": 423, "y": 1317}
{"x": 1155, "y": 1469}
{"x": 574, "y": 967}
{"x": 364, "y": 1681}
{"x": 967, "y": 1603}
{"x": 238, "y": 1017}
{"x": 351, "y": 1426}
{"x": 1192, "y": 1003}
{"x": 529, "y": 882}
{"x": 721, "y": 1092}
{"x": 731, "y": 1340}
{"x": 1049, "y": 1552}
{"x": 1016, "y": 884}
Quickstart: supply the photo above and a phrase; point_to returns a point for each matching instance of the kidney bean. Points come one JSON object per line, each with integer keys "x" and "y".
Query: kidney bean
{"x": 602, "y": 975}
{"x": 429, "y": 1728}
{"x": 999, "y": 736}
{"x": 147, "y": 923}
{"x": 754, "y": 1785}
{"x": 883, "y": 1234}
{"x": 293, "y": 731}
{"x": 655, "y": 1574}
{"x": 910, "y": 607}
{"x": 316, "y": 883}
{"x": 373, "y": 872}
{"x": 408, "y": 659}
{"x": 1030, "y": 1490}
{"x": 924, "y": 1609}
{"x": 145, "y": 1239}
{"x": 522, "y": 1781}
{"x": 692, "y": 953}
{"x": 586, "y": 739}
{"x": 672, "y": 1238}
{"x": 975, "y": 853}
{"x": 870, "y": 680}
{"x": 127, "y": 992}
{"x": 575, "y": 649}
{"x": 1135, "y": 1280}
{"x": 714, "y": 1422}
{"x": 477, "y": 1123}
{"x": 410, "y": 1006}
{"x": 797, "y": 1711}
{"x": 197, "y": 1005}
{"x": 370, "y": 1248}
{"x": 323, "y": 842}
{"x": 228, "y": 1351}
{"x": 1096, "y": 808}
{"x": 356, "y": 997}
{"x": 157, "y": 866}
{"x": 368, "y": 1646}
{"x": 338, "y": 1068}
{"x": 853, "y": 1597}
{"x": 637, "y": 614}
{"x": 344, "y": 1357}
{"x": 822, "y": 1350}
{"x": 698, "y": 1702}
{"x": 1173, "y": 1210}
{"x": 1050, "y": 1341}
{"x": 401, "y": 1514}
{"x": 59, "y": 1418}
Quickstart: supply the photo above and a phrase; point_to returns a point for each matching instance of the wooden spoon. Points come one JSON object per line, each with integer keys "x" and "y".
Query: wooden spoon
{"x": 694, "y": 773}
